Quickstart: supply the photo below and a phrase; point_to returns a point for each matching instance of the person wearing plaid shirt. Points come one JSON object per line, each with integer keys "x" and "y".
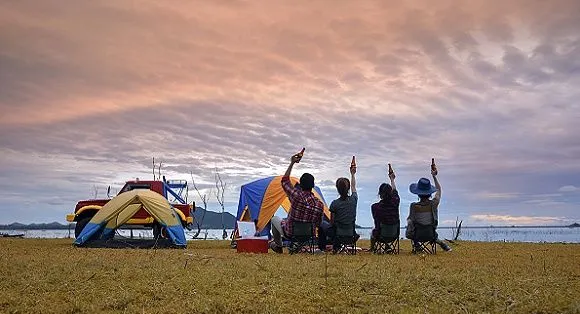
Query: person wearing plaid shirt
{"x": 305, "y": 207}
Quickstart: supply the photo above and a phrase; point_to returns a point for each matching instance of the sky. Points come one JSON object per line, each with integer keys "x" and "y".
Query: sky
{"x": 91, "y": 91}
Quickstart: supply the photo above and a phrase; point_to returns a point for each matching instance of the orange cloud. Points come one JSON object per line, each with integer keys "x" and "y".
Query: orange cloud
{"x": 67, "y": 60}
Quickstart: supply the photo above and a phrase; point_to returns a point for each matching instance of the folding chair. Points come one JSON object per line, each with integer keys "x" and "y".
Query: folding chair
{"x": 302, "y": 238}
{"x": 424, "y": 239}
{"x": 345, "y": 239}
{"x": 388, "y": 240}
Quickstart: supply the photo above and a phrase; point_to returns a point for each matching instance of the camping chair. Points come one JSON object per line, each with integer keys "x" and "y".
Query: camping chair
{"x": 388, "y": 240}
{"x": 345, "y": 239}
{"x": 424, "y": 239}
{"x": 302, "y": 238}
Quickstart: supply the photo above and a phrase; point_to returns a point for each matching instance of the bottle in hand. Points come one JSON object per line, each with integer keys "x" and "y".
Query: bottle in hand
{"x": 433, "y": 166}
{"x": 391, "y": 169}
{"x": 300, "y": 154}
{"x": 353, "y": 162}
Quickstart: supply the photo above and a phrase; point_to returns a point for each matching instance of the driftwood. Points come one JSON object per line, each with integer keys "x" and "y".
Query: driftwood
{"x": 6, "y": 235}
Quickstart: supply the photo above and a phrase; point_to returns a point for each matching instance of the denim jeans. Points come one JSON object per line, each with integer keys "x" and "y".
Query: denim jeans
{"x": 277, "y": 230}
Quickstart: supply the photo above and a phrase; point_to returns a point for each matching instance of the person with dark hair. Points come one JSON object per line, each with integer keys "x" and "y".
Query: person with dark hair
{"x": 386, "y": 211}
{"x": 304, "y": 206}
{"x": 342, "y": 210}
{"x": 425, "y": 211}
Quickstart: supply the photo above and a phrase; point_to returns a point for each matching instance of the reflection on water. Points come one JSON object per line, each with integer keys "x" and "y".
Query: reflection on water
{"x": 562, "y": 234}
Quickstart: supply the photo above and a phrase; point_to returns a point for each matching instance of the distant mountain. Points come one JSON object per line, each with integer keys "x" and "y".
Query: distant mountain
{"x": 41, "y": 226}
{"x": 213, "y": 220}
{"x": 574, "y": 225}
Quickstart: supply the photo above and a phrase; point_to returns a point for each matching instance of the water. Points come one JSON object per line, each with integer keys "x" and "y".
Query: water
{"x": 556, "y": 234}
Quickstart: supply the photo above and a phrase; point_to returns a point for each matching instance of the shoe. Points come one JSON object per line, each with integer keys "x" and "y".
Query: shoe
{"x": 448, "y": 249}
{"x": 275, "y": 247}
{"x": 318, "y": 251}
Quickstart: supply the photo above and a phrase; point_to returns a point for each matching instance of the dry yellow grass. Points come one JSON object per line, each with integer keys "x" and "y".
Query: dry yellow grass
{"x": 51, "y": 276}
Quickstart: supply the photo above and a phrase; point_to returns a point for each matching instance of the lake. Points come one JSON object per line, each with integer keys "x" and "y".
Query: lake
{"x": 487, "y": 234}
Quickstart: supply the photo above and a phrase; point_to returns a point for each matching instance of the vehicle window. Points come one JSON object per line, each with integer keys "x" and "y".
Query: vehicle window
{"x": 136, "y": 186}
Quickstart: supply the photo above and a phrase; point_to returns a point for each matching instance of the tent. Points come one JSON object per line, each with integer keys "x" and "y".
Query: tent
{"x": 122, "y": 207}
{"x": 259, "y": 200}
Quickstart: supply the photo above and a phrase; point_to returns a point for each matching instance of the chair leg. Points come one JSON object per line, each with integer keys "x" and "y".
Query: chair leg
{"x": 428, "y": 247}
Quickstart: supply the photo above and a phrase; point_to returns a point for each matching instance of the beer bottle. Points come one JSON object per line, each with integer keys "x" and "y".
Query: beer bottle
{"x": 353, "y": 162}
{"x": 391, "y": 170}
{"x": 433, "y": 166}
{"x": 300, "y": 154}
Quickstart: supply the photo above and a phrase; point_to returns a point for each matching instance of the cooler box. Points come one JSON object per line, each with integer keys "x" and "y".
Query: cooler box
{"x": 252, "y": 245}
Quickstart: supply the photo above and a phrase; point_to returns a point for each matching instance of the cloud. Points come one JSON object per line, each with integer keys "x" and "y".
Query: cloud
{"x": 91, "y": 91}
{"x": 497, "y": 195}
{"x": 517, "y": 220}
{"x": 568, "y": 188}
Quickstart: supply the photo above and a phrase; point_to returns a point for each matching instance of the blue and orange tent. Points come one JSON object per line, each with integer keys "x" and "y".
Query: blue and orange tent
{"x": 259, "y": 200}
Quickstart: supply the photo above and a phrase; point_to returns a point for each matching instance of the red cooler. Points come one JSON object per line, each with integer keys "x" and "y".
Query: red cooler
{"x": 252, "y": 246}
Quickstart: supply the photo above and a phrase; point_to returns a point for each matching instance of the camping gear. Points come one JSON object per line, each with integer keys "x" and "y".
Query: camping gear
{"x": 252, "y": 245}
{"x": 121, "y": 208}
{"x": 303, "y": 239}
{"x": 259, "y": 201}
{"x": 387, "y": 241}
{"x": 249, "y": 242}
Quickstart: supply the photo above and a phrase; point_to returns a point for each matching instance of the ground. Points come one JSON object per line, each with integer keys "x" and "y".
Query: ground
{"x": 52, "y": 276}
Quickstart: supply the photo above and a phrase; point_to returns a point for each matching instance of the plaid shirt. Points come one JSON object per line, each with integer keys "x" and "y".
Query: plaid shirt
{"x": 305, "y": 207}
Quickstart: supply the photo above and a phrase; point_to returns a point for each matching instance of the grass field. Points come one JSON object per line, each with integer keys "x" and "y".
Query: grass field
{"x": 51, "y": 276}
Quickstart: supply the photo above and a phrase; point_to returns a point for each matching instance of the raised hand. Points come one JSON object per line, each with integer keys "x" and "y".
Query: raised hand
{"x": 433, "y": 167}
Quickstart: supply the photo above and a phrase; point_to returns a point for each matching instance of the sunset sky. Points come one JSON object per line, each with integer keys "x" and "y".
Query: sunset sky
{"x": 90, "y": 91}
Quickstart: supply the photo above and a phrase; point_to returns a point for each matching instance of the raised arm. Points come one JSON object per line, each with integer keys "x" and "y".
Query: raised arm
{"x": 293, "y": 160}
{"x": 352, "y": 179}
{"x": 392, "y": 177}
{"x": 286, "y": 184}
{"x": 437, "y": 184}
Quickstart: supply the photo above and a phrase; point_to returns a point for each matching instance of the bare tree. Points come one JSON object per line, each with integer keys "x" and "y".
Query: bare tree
{"x": 95, "y": 192}
{"x": 221, "y": 187}
{"x": 456, "y": 230}
{"x": 159, "y": 171}
{"x": 158, "y": 168}
{"x": 153, "y": 168}
{"x": 203, "y": 199}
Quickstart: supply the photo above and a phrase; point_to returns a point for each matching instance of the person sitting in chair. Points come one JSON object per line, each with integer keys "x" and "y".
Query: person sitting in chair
{"x": 342, "y": 209}
{"x": 304, "y": 206}
{"x": 386, "y": 211}
{"x": 425, "y": 211}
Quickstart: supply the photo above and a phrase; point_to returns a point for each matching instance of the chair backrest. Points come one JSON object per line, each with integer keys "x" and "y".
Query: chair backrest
{"x": 302, "y": 229}
{"x": 390, "y": 232}
{"x": 424, "y": 232}
{"x": 345, "y": 230}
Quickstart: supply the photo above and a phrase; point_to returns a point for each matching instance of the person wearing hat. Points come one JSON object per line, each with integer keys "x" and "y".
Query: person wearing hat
{"x": 425, "y": 211}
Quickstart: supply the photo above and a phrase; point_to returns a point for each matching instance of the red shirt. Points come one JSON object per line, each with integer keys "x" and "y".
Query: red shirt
{"x": 305, "y": 207}
{"x": 386, "y": 211}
